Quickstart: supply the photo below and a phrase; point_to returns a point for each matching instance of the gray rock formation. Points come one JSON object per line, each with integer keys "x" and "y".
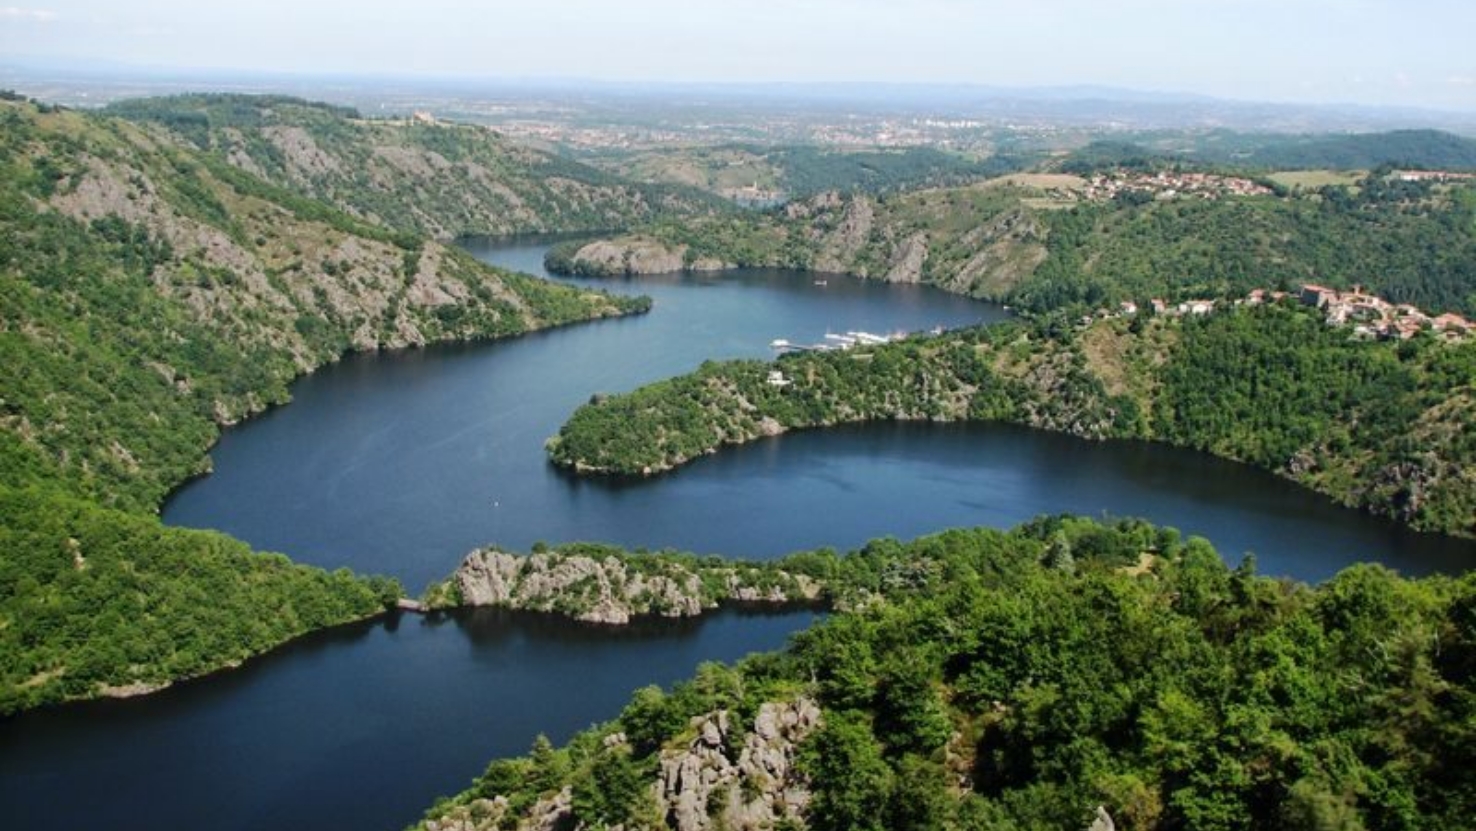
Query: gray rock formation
{"x": 1102, "y": 821}
{"x": 721, "y": 779}
{"x": 548, "y": 814}
{"x": 607, "y": 590}
{"x": 706, "y": 786}
{"x": 633, "y": 255}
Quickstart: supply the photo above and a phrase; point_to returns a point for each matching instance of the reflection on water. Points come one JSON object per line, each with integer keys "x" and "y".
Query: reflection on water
{"x": 358, "y": 727}
{"x": 399, "y": 463}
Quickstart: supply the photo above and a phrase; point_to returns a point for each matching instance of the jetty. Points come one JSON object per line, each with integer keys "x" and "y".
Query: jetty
{"x": 835, "y": 341}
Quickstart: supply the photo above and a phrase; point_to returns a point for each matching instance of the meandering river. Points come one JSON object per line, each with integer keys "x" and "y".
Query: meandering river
{"x": 399, "y": 463}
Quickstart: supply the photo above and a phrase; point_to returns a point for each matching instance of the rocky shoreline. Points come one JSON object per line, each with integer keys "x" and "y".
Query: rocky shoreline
{"x": 597, "y": 584}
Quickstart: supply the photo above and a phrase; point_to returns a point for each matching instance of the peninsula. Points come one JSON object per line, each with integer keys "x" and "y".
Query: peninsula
{"x": 1385, "y": 425}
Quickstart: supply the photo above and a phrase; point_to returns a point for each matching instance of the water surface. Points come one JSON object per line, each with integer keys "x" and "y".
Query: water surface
{"x": 359, "y": 727}
{"x": 399, "y": 463}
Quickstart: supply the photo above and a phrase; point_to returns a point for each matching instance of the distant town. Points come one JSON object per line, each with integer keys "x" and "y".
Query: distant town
{"x": 1167, "y": 185}
{"x": 1369, "y": 316}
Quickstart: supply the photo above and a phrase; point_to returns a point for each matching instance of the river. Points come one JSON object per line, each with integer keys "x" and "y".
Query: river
{"x": 398, "y": 463}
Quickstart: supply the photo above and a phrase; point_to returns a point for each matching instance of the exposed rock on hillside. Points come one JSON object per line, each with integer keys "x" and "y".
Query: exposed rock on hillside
{"x": 443, "y": 180}
{"x": 707, "y": 786}
{"x": 718, "y": 780}
{"x": 975, "y": 241}
{"x": 220, "y": 284}
{"x": 603, "y": 587}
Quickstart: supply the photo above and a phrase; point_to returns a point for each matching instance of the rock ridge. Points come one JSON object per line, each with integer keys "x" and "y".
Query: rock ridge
{"x": 608, "y": 588}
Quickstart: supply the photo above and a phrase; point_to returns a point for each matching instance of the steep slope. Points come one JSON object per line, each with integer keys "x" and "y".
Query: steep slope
{"x": 1058, "y": 675}
{"x": 1388, "y": 427}
{"x": 978, "y": 240}
{"x": 758, "y": 174}
{"x": 437, "y": 179}
{"x": 1043, "y": 242}
{"x": 150, "y": 293}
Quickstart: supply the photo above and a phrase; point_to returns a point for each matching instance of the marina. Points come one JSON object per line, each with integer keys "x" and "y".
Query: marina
{"x": 833, "y": 341}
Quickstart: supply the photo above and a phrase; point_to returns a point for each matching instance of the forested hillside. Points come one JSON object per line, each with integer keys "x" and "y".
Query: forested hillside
{"x": 1044, "y": 242}
{"x": 1386, "y": 426}
{"x": 1417, "y": 149}
{"x": 150, "y": 293}
{"x": 437, "y": 179}
{"x": 748, "y": 172}
{"x": 1038, "y": 678}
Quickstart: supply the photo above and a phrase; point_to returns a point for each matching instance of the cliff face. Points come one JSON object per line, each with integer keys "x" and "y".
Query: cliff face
{"x": 723, "y": 778}
{"x": 706, "y": 785}
{"x": 438, "y": 179}
{"x": 203, "y": 277}
{"x": 150, "y": 293}
{"x": 980, "y": 241}
{"x": 611, "y": 589}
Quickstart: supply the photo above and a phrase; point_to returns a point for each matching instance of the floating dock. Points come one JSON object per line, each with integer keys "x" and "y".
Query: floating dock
{"x": 835, "y": 341}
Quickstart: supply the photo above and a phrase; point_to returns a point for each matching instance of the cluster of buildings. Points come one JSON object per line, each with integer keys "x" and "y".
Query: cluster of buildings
{"x": 1168, "y": 185}
{"x": 1431, "y": 176}
{"x": 1372, "y": 316}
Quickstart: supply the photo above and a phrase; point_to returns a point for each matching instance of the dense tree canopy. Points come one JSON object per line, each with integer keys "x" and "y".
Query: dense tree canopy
{"x": 1388, "y": 426}
{"x": 998, "y": 691}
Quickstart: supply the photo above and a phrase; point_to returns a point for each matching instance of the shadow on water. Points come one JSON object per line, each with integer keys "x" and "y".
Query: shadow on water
{"x": 358, "y": 727}
{"x": 401, "y": 462}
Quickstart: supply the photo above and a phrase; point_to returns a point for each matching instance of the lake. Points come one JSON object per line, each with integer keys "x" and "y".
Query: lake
{"x": 398, "y": 463}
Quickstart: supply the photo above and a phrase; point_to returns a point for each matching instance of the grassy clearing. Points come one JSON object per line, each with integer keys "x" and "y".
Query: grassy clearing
{"x": 1309, "y": 179}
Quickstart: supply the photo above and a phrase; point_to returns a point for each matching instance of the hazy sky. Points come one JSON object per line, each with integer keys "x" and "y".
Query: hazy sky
{"x": 1415, "y": 52}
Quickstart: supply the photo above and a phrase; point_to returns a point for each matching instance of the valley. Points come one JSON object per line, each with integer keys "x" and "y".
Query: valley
{"x": 176, "y": 270}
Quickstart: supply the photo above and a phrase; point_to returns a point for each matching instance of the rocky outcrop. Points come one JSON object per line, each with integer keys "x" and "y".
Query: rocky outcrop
{"x": 839, "y": 248}
{"x": 1102, "y": 821}
{"x": 551, "y": 813}
{"x": 1006, "y": 250}
{"x": 720, "y": 780}
{"x": 438, "y": 179}
{"x": 611, "y": 590}
{"x": 723, "y": 778}
{"x": 305, "y": 159}
{"x": 907, "y": 263}
{"x": 634, "y": 255}
{"x": 629, "y": 255}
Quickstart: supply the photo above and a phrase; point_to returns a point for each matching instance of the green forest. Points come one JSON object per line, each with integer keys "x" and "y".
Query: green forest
{"x": 148, "y": 295}
{"x": 442, "y": 180}
{"x": 1409, "y": 242}
{"x": 1019, "y": 679}
{"x": 95, "y": 597}
{"x": 1042, "y": 250}
{"x": 1386, "y": 426}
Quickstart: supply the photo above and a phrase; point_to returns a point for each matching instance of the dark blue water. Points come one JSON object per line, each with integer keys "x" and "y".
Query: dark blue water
{"x": 399, "y": 463}
{"x": 357, "y": 728}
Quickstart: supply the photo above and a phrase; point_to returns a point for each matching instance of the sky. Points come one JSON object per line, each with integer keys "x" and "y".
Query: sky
{"x": 1419, "y": 53}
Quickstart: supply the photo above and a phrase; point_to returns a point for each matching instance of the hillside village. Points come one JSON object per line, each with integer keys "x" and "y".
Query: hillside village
{"x": 1371, "y": 317}
{"x": 1170, "y": 185}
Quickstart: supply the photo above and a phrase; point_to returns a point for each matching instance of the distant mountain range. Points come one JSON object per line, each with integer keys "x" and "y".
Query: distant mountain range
{"x": 82, "y": 83}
